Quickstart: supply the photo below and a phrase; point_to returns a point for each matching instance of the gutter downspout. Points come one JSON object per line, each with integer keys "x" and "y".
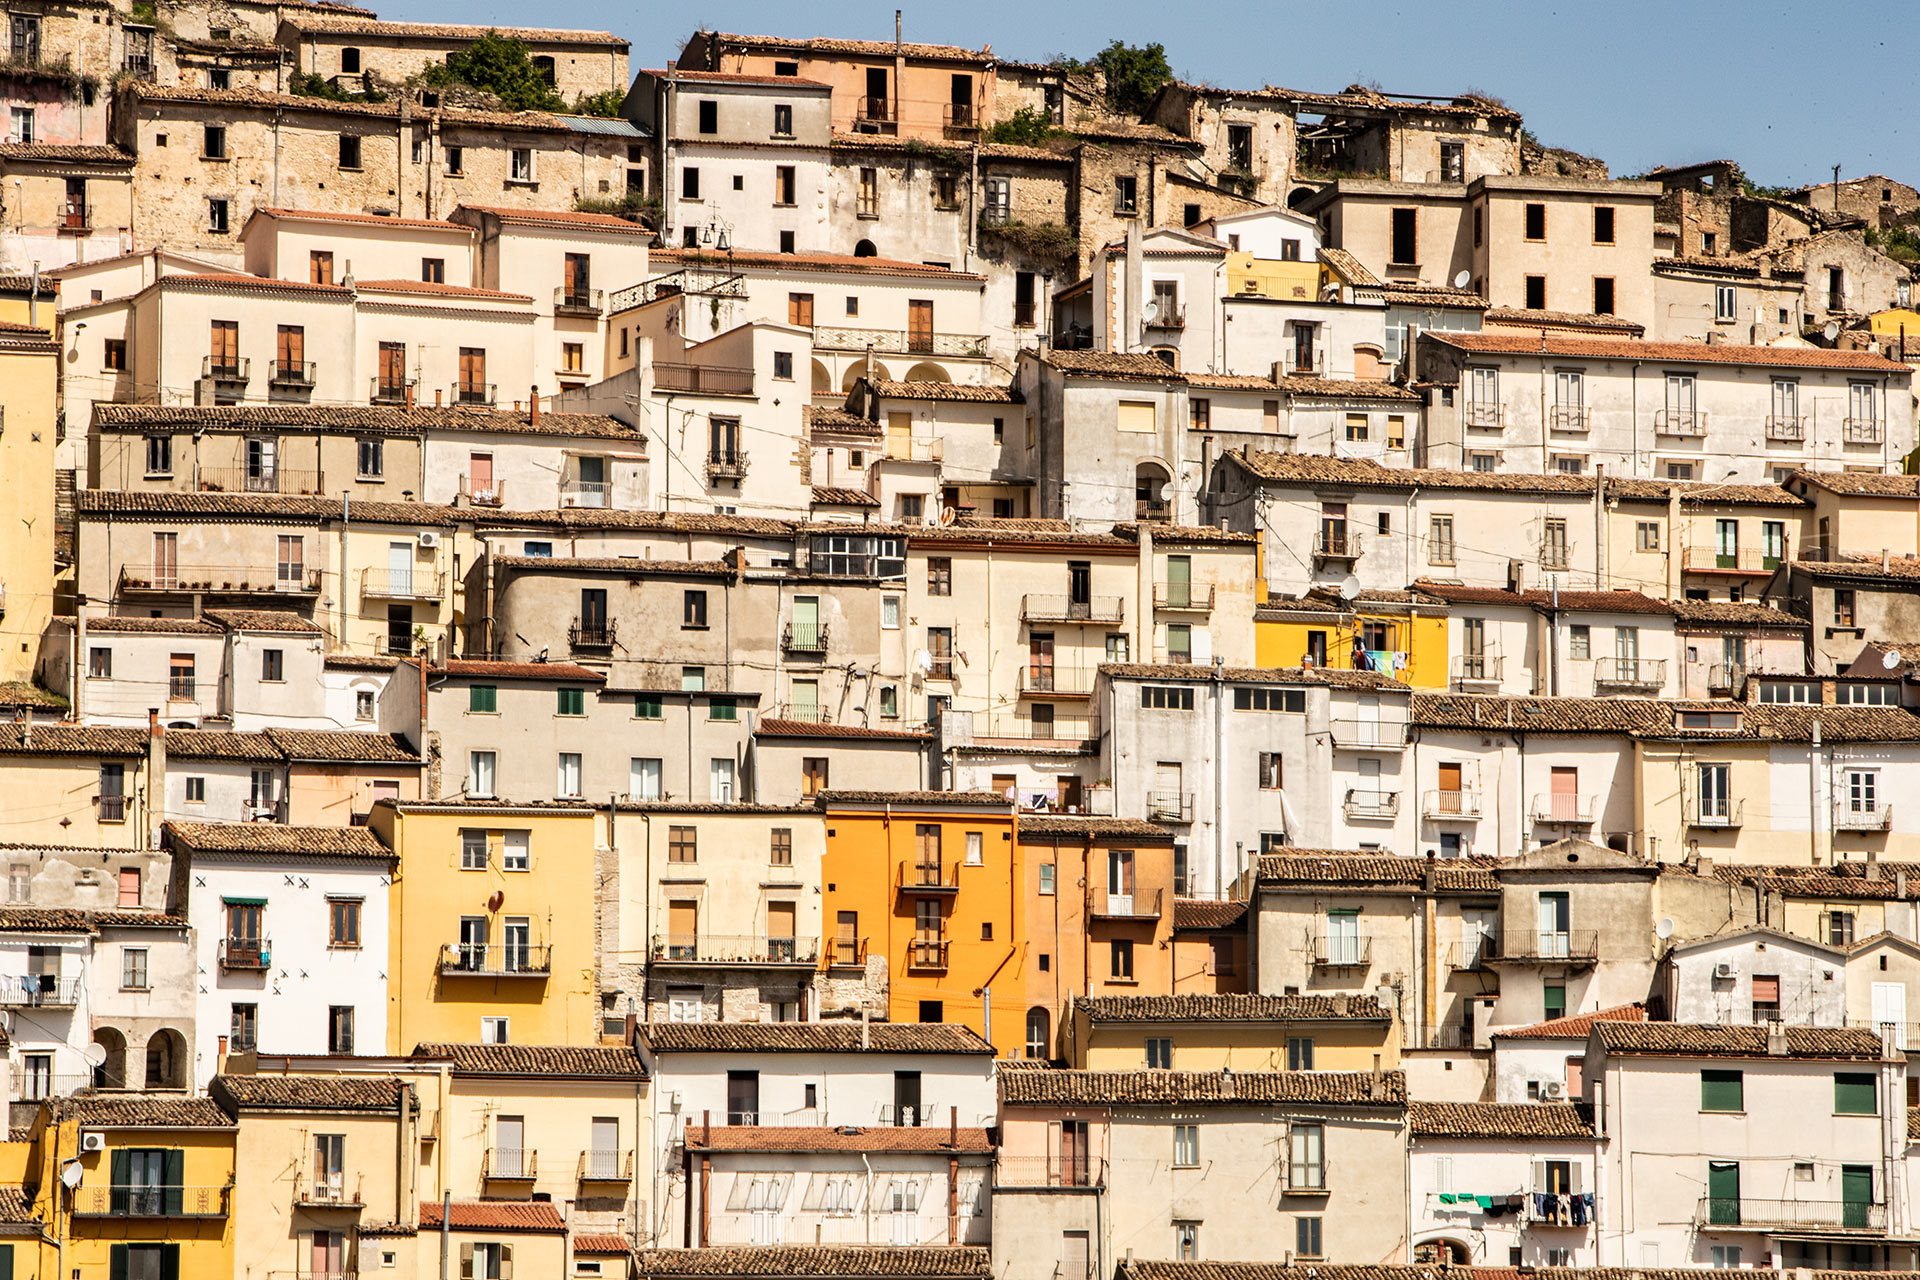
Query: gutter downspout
{"x": 1219, "y": 792}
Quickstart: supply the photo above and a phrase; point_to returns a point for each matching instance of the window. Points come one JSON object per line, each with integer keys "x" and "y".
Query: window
{"x": 1306, "y": 1238}
{"x": 343, "y": 922}
{"x": 1299, "y": 1053}
{"x": 1126, "y": 195}
{"x": 690, "y": 190}
{"x": 99, "y": 663}
{"x": 1843, "y": 607}
{"x": 1440, "y": 540}
{"x": 683, "y": 844}
{"x": 1536, "y": 291}
{"x": 939, "y": 576}
{"x": 1120, "y": 956}
{"x": 1046, "y": 879}
{"x": 483, "y": 699}
{"x": 180, "y": 676}
{"x": 1646, "y": 535}
{"x": 1405, "y": 244}
{"x": 114, "y": 355}
{"x": 1166, "y": 697}
{"x": 1186, "y": 1241}
{"x": 372, "y": 459}
{"x": 890, "y": 702}
{"x": 1766, "y": 998}
{"x": 1536, "y": 221}
{"x": 1603, "y": 295}
{"x": 217, "y": 216}
{"x": 133, "y": 969}
{"x": 214, "y": 142}
{"x": 693, "y": 611}
{"x": 643, "y": 777}
{"x": 1306, "y": 1159}
{"x": 1270, "y": 771}
{"x": 340, "y": 1028}
{"x": 493, "y": 1030}
{"x": 783, "y": 120}
{"x": 1553, "y": 1001}
{"x": 1839, "y": 928}
{"x": 567, "y": 775}
{"x": 349, "y": 151}
{"x": 649, "y": 706}
{"x": 1186, "y": 1146}
{"x": 1855, "y": 1094}
{"x": 480, "y": 773}
{"x": 1723, "y": 1091}
{"x": 1723, "y": 302}
{"x": 1453, "y": 162}
{"x": 709, "y": 116}
{"x": 780, "y": 846}
{"x": 1159, "y": 1053}
{"x": 1553, "y": 543}
{"x": 1356, "y": 426}
{"x": 244, "y": 1028}
{"x": 433, "y": 270}
{"x": 1603, "y": 224}
{"x": 719, "y": 708}
{"x": 1270, "y": 699}
{"x": 456, "y": 161}
{"x": 196, "y": 790}
{"x": 273, "y": 666}
{"x": 521, "y": 165}
{"x": 1200, "y": 414}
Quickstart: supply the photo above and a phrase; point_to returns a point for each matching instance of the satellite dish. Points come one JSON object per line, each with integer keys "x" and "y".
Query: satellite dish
{"x": 1462, "y": 279}
{"x": 95, "y": 1054}
{"x": 1166, "y": 492}
{"x": 70, "y": 1175}
{"x": 1665, "y": 928}
{"x": 1832, "y": 330}
{"x": 1349, "y": 587}
{"x": 948, "y": 515}
{"x": 1150, "y": 312}
{"x": 1890, "y": 659}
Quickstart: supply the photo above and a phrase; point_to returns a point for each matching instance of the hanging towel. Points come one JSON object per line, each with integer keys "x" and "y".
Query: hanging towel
{"x": 1446, "y": 1197}
{"x": 1485, "y": 1203}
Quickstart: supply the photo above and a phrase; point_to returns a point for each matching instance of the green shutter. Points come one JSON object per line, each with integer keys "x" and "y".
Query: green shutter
{"x": 173, "y": 1168}
{"x": 1723, "y": 1193}
{"x": 647, "y": 706}
{"x": 6, "y": 1262}
{"x": 721, "y": 709}
{"x": 117, "y": 1198}
{"x": 481, "y": 697}
{"x": 1854, "y": 1094}
{"x": 117, "y": 1260}
{"x": 573, "y": 702}
{"x": 1722, "y": 1091}
{"x": 169, "y": 1262}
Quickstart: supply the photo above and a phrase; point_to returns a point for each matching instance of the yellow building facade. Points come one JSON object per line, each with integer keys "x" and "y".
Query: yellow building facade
{"x": 493, "y": 934}
{"x": 1408, "y": 633}
{"x": 29, "y": 367}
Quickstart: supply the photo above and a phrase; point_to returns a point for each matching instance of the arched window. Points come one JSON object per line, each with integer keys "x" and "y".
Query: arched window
{"x": 1149, "y": 496}
{"x": 865, "y": 249}
{"x": 1168, "y": 356}
{"x": 1039, "y": 1037}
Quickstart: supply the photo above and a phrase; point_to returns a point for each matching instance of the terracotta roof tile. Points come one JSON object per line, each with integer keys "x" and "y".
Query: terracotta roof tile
{"x": 1199, "y": 914}
{"x": 1894, "y": 568}
{"x": 264, "y": 620}
{"x": 438, "y": 289}
{"x": 223, "y": 281}
{"x": 1527, "y": 344}
{"x": 1577, "y": 1027}
{"x": 1042, "y": 1086}
{"x": 1872, "y": 484}
{"x": 258, "y": 506}
{"x": 141, "y": 1111}
{"x": 811, "y": 1037}
{"x": 631, "y": 566}
{"x": 1470, "y": 875}
{"x": 273, "y": 839}
{"x": 417, "y": 420}
{"x": 1231, "y": 1008}
{"x": 566, "y": 219}
{"x": 1712, "y": 1040}
{"x": 364, "y": 219}
{"x": 1524, "y": 317}
{"x": 331, "y": 24}
{"x": 306, "y": 1093}
{"x": 157, "y": 626}
{"x": 1540, "y": 715}
{"x": 1350, "y": 268}
{"x": 1049, "y": 825}
{"x": 818, "y": 1262}
{"x": 590, "y": 1243}
{"x": 22, "y": 695}
{"x": 946, "y": 391}
{"x": 70, "y": 740}
{"x": 344, "y": 745}
{"x": 930, "y": 1139}
{"x": 1535, "y": 1121}
{"x": 45, "y": 920}
{"x": 815, "y": 261}
{"x": 530, "y": 1216}
{"x": 970, "y": 799}
{"x": 1616, "y": 601}
{"x": 1116, "y": 365}
{"x": 1734, "y": 613}
{"x": 593, "y": 1062}
{"x": 774, "y": 727}
{"x": 474, "y": 669}
{"x": 826, "y": 496}
{"x": 63, "y": 153}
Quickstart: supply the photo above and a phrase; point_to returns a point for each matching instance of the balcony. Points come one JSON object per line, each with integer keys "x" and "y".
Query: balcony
{"x": 1035, "y": 1172}
{"x": 335, "y": 1191}
{"x": 231, "y": 369}
{"x": 495, "y": 960}
{"x": 960, "y": 120}
{"x": 1738, "y": 560}
{"x": 391, "y": 390}
{"x": 202, "y": 579}
{"x": 402, "y": 584}
{"x": 600, "y": 634}
{"x": 1545, "y": 946}
{"x": 1173, "y": 317}
{"x": 1024, "y": 313}
{"x": 1724, "y": 815}
{"x": 1473, "y": 671}
{"x": 927, "y": 953}
{"x": 916, "y": 449}
{"x": 1861, "y": 431}
{"x": 151, "y": 1202}
{"x": 1303, "y": 1180}
{"x": 1483, "y": 415}
{"x": 1131, "y": 906}
{"x": 703, "y": 379}
{"x": 1170, "y": 806}
{"x": 1331, "y": 547}
{"x": 510, "y": 1164}
{"x": 1341, "y": 951}
{"x": 1055, "y": 732}
{"x": 272, "y": 479}
{"x": 1055, "y": 682}
{"x": 901, "y": 342}
{"x": 113, "y": 808}
{"x": 847, "y": 953}
{"x": 297, "y": 374}
{"x": 474, "y": 394}
{"x": 1718, "y": 1213}
{"x": 1568, "y": 417}
{"x": 1109, "y": 610}
{"x": 76, "y": 219}
{"x": 1680, "y": 422}
{"x": 925, "y": 879}
{"x": 737, "y": 950}
{"x": 1725, "y": 678}
{"x": 805, "y": 638}
{"x": 726, "y": 464}
{"x": 1865, "y": 815}
{"x": 591, "y": 495}
{"x": 1183, "y": 597}
{"x": 873, "y": 115}
{"x": 1450, "y": 806}
{"x": 1786, "y": 430}
{"x": 1630, "y": 673}
{"x": 246, "y": 955}
{"x": 1370, "y": 735}
{"x": 579, "y": 302}
{"x": 1562, "y": 810}
{"x": 605, "y": 1166}
{"x": 39, "y": 991}
{"x": 37, "y": 1086}
{"x": 1371, "y": 806}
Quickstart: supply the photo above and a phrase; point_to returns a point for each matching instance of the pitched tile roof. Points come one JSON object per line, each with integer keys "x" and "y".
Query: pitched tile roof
{"x": 1577, "y": 1027}
{"x": 1231, "y": 1008}
{"x": 219, "y": 744}
{"x": 1043, "y": 1086}
{"x": 946, "y": 391}
{"x": 774, "y": 727}
{"x": 1301, "y": 468}
{"x": 1893, "y": 569}
{"x": 306, "y": 1093}
{"x": 1619, "y": 600}
{"x": 974, "y": 799}
{"x": 280, "y": 620}
{"x": 827, "y": 496}
{"x": 1712, "y": 1040}
{"x": 1540, "y": 715}
{"x": 344, "y": 745}
{"x": 470, "y": 668}
{"x": 529, "y": 1216}
{"x": 1351, "y": 269}
{"x": 1201, "y": 914}
{"x": 45, "y": 920}
{"x": 1064, "y": 824}
{"x": 1734, "y": 613}
{"x": 141, "y": 1111}
{"x": 331, "y": 24}
{"x": 1529, "y": 344}
{"x": 829, "y": 46}
{"x": 438, "y": 289}
{"x": 258, "y": 506}
{"x": 585, "y": 1243}
{"x": 63, "y": 153}
{"x": 806, "y": 1262}
{"x": 366, "y": 219}
{"x": 565, "y": 219}
{"x": 1304, "y": 385}
{"x": 632, "y": 566}
{"x": 811, "y": 1037}
{"x": 70, "y": 740}
{"x": 929, "y": 1139}
{"x": 1120, "y": 366}
{"x": 1354, "y": 869}
{"x": 1529, "y": 1120}
{"x": 273, "y": 839}
{"x": 1844, "y": 881}
{"x": 593, "y": 1062}
{"x": 417, "y": 419}
{"x": 21, "y": 694}
{"x": 1872, "y": 484}
{"x": 1523, "y": 317}
{"x": 1335, "y": 677}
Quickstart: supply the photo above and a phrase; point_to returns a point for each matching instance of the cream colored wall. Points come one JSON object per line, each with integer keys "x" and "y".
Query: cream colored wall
{"x": 182, "y": 332}
{"x": 733, "y": 878}
{"x": 50, "y": 798}
{"x": 279, "y": 247}
{"x": 558, "y": 1115}
{"x": 274, "y": 1161}
{"x": 435, "y": 328}
{"x": 28, "y": 373}
{"x": 1348, "y": 1045}
{"x": 1568, "y": 257}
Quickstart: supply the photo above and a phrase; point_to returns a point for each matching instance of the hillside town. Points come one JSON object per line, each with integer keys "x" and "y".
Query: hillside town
{"x": 1062, "y": 808}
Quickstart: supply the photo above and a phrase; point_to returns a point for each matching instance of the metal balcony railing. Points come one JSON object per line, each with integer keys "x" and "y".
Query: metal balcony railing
{"x": 1862, "y": 815}
{"x": 273, "y": 479}
{"x": 1336, "y": 546}
{"x": 1187, "y": 597}
{"x": 510, "y": 1164}
{"x": 805, "y": 637}
{"x": 600, "y": 634}
{"x": 703, "y": 379}
{"x": 923, "y": 953}
{"x": 1371, "y": 735}
{"x": 960, "y": 118}
{"x": 1725, "y": 677}
{"x": 1725, "y": 814}
{"x": 497, "y": 959}
{"x": 605, "y": 1166}
{"x": 113, "y": 808}
{"x": 1170, "y": 806}
{"x": 929, "y": 877}
{"x": 292, "y": 373}
{"x": 730, "y": 464}
{"x": 1025, "y": 314}
{"x": 1111, "y": 610}
{"x": 473, "y": 393}
{"x": 1304, "y": 1179}
{"x": 1056, "y": 682}
{"x": 1574, "y": 810}
{"x": 1019, "y": 728}
{"x": 147, "y": 1201}
{"x": 847, "y": 952}
{"x": 1568, "y": 417}
{"x": 1786, "y": 428}
{"x": 916, "y": 449}
{"x": 391, "y": 391}
{"x": 1339, "y": 951}
{"x": 900, "y": 341}
{"x": 39, "y": 990}
{"x": 221, "y": 580}
{"x": 1451, "y": 806}
{"x": 578, "y": 302}
{"x": 1739, "y": 559}
{"x": 734, "y": 949}
{"x": 703, "y": 281}
{"x": 1171, "y": 318}
{"x": 1483, "y": 415}
{"x": 1371, "y": 805}
{"x": 341, "y": 1190}
{"x": 587, "y": 494}
{"x": 1547, "y": 946}
{"x": 1769, "y": 1215}
{"x": 246, "y": 955}
{"x": 75, "y": 218}
{"x": 872, "y": 113}
{"x": 226, "y": 369}
{"x": 1630, "y": 673}
{"x": 1476, "y": 668}
{"x": 1048, "y": 1171}
{"x": 36, "y": 1086}
{"x": 1680, "y": 422}
{"x": 1131, "y": 906}
{"x": 403, "y": 584}
{"x": 1861, "y": 431}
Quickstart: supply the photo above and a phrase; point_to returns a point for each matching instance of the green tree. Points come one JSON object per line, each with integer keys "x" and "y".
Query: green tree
{"x": 605, "y": 104}
{"x": 1134, "y": 74}
{"x": 1027, "y": 127}
{"x": 498, "y": 65}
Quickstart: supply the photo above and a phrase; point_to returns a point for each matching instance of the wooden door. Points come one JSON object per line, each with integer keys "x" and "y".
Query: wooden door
{"x": 683, "y": 928}
{"x": 920, "y": 325}
{"x": 1450, "y": 776}
{"x": 1566, "y": 794}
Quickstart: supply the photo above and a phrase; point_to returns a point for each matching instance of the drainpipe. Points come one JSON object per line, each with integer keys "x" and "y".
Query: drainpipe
{"x": 1813, "y": 793}
{"x": 1219, "y": 792}
{"x": 1602, "y": 561}
{"x": 446, "y": 1231}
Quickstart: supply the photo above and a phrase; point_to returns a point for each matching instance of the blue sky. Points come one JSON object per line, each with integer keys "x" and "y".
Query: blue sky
{"x": 1788, "y": 90}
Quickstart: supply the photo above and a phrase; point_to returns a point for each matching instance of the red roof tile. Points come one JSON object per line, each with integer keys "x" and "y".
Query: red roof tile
{"x": 495, "y": 1215}
{"x": 930, "y": 1139}
{"x": 1532, "y": 344}
{"x": 1576, "y": 1027}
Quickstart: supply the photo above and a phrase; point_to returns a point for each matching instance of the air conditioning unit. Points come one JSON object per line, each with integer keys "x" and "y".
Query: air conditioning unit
{"x": 1723, "y": 970}
{"x": 428, "y": 538}
{"x": 1553, "y": 1090}
{"x": 93, "y": 1142}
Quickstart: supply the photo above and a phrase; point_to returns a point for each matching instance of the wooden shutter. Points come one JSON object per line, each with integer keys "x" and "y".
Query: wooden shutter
{"x": 169, "y": 1262}
{"x": 780, "y": 920}
{"x": 1766, "y": 990}
{"x": 117, "y": 1257}
{"x": 173, "y": 1168}
{"x": 919, "y": 324}
{"x": 506, "y": 1262}
{"x": 683, "y": 918}
{"x": 466, "y": 1262}
{"x": 119, "y": 1163}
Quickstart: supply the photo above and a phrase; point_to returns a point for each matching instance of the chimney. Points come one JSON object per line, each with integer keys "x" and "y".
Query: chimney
{"x": 1341, "y": 1003}
{"x": 706, "y": 1128}
{"x": 533, "y": 407}
{"x": 1900, "y": 884}
{"x": 953, "y": 1126}
{"x": 1873, "y": 864}
{"x": 1776, "y": 1042}
{"x": 1704, "y": 866}
{"x": 156, "y": 776}
{"x": 437, "y": 393}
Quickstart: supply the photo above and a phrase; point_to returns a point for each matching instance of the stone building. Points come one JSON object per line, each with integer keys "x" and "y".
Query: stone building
{"x": 351, "y": 51}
